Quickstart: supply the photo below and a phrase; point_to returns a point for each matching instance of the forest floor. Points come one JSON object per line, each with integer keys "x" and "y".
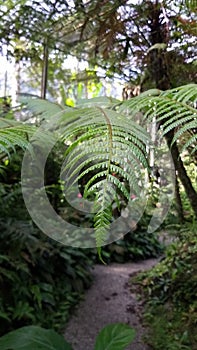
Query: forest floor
{"x": 110, "y": 299}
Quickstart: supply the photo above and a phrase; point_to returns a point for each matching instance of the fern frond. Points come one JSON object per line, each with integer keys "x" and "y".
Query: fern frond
{"x": 39, "y": 107}
{"x": 101, "y": 101}
{"x": 186, "y": 93}
{"x": 105, "y": 148}
{"x": 102, "y": 221}
{"x": 185, "y": 128}
{"x": 108, "y": 148}
{"x": 192, "y": 140}
{"x": 12, "y": 134}
{"x": 185, "y": 123}
{"x": 174, "y": 108}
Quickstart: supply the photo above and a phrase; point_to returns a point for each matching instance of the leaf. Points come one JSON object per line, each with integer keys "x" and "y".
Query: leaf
{"x": 175, "y": 109}
{"x": 158, "y": 46}
{"x": 33, "y": 338}
{"x": 14, "y": 133}
{"x": 115, "y": 336}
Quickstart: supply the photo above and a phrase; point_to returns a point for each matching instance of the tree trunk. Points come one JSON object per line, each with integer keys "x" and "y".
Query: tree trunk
{"x": 44, "y": 71}
{"x": 182, "y": 174}
{"x": 179, "y": 205}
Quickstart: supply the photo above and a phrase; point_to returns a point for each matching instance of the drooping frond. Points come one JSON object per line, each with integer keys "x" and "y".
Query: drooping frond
{"x": 107, "y": 149}
{"x": 12, "y": 134}
{"x": 175, "y": 109}
{"x": 106, "y": 152}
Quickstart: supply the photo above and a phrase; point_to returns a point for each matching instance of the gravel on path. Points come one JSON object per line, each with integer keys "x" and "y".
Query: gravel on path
{"x": 108, "y": 300}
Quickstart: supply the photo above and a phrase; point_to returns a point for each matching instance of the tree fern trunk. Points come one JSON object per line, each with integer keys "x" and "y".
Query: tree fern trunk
{"x": 191, "y": 193}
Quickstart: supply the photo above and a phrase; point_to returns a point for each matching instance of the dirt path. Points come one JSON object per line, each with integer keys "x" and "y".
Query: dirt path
{"x": 109, "y": 300}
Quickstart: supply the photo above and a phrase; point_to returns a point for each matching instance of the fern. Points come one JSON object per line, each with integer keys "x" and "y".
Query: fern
{"x": 110, "y": 148}
{"x": 12, "y": 134}
{"x": 175, "y": 108}
{"x": 106, "y": 148}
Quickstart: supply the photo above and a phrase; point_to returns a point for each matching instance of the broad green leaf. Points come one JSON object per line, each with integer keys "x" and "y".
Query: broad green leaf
{"x": 33, "y": 338}
{"x": 115, "y": 336}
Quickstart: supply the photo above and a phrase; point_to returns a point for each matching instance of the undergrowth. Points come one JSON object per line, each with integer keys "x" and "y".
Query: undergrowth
{"x": 40, "y": 280}
{"x": 170, "y": 290}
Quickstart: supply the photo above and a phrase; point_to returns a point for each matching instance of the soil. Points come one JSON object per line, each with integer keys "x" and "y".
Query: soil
{"x": 110, "y": 299}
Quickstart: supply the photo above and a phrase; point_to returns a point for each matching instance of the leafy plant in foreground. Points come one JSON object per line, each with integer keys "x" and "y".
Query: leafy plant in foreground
{"x": 112, "y": 337}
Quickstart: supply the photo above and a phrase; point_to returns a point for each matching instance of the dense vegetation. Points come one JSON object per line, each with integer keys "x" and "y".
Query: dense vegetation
{"x": 40, "y": 279}
{"x": 169, "y": 289}
{"x": 126, "y": 156}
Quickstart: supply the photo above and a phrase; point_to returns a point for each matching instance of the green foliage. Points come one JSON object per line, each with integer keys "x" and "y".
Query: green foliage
{"x": 174, "y": 108}
{"x": 45, "y": 109}
{"x": 101, "y": 132}
{"x": 108, "y": 34}
{"x": 98, "y": 139}
{"x": 136, "y": 245}
{"x": 115, "y": 336}
{"x": 165, "y": 281}
{"x": 5, "y": 108}
{"x": 167, "y": 329}
{"x": 31, "y": 338}
{"x": 12, "y": 134}
{"x": 31, "y": 289}
{"x": 170, "y": 289}
{"x": 40, "y": 280}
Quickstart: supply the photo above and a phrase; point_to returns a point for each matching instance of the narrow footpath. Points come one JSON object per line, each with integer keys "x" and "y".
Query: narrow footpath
{"x": 108, "y": 300}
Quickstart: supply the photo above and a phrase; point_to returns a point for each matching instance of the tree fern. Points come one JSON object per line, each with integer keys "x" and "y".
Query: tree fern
{"x": 106, "y": 148}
